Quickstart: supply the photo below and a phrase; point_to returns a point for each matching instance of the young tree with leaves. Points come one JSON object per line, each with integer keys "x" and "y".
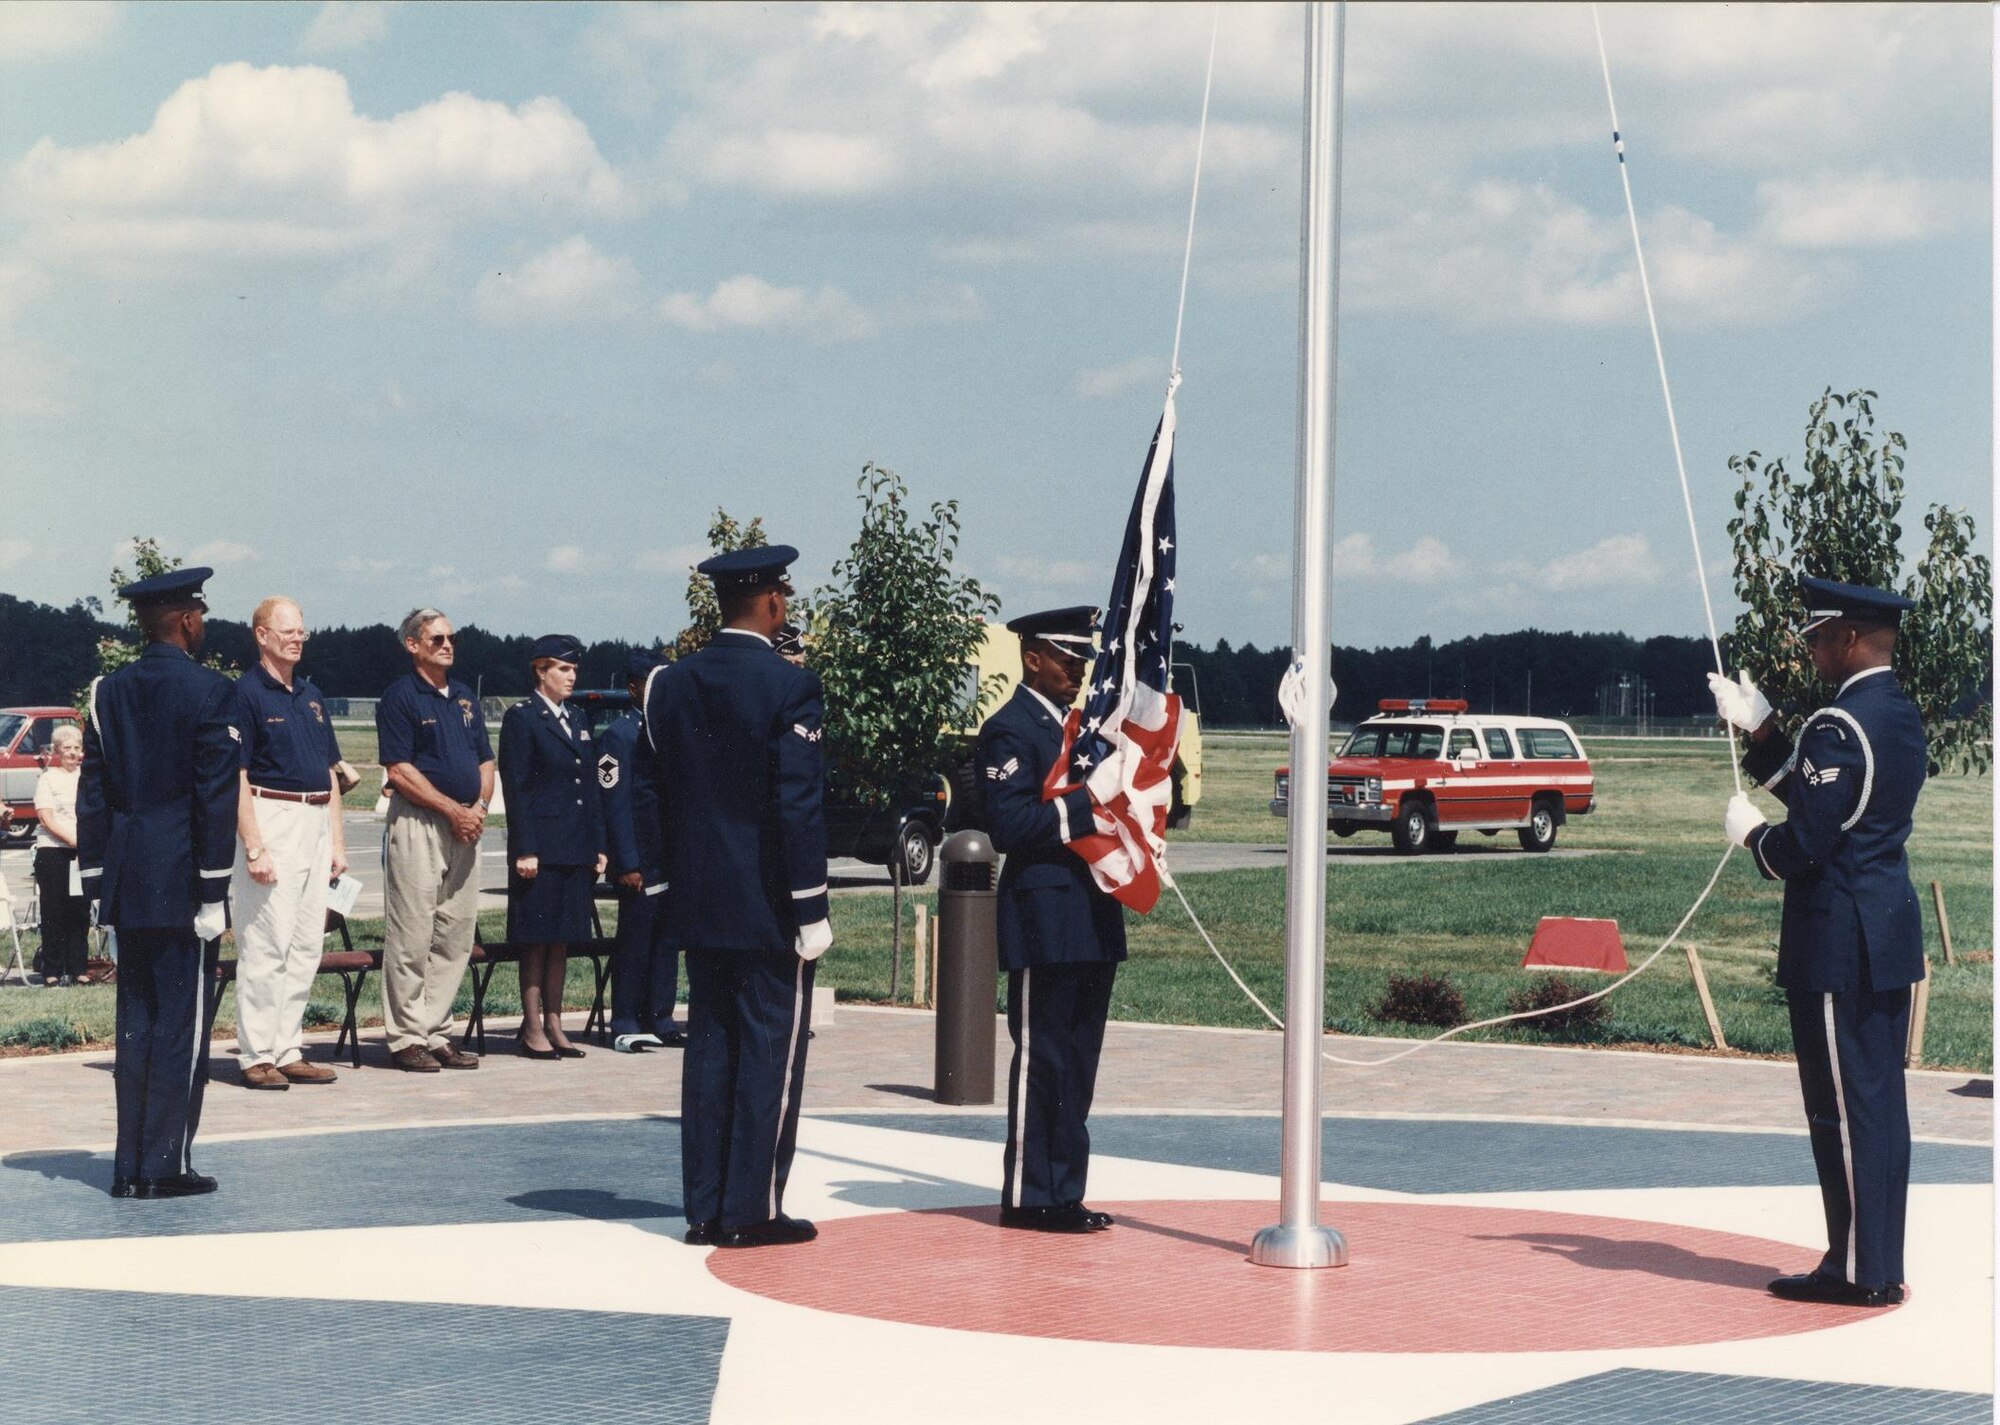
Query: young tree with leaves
{"x": 114, "y": 653}
{"x": 1843, "y": 520}
{"x": 894, "y": 636}
{"x": 725, "y": 533}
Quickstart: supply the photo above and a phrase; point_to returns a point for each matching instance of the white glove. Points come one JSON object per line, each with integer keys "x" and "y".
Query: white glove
{"x": 814, "y": 940}
{"x": 1740, "y": 820}
{"x": 1739, "y": 702}
{"x": 211, "y": 920}
{"x": 1107, "y": 778}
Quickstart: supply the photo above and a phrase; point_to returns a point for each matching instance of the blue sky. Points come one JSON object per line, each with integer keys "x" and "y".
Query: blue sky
{"x": 488, "y": 307}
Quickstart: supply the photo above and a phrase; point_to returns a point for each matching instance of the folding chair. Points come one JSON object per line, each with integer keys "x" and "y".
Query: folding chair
{"x": 14, "y": 962}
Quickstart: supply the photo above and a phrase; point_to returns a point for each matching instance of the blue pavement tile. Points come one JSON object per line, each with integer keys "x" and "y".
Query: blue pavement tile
{"x": 90, "y": 1357}
{"x": 1633, "y": 1397}
{"x": 1402, "y": 1155}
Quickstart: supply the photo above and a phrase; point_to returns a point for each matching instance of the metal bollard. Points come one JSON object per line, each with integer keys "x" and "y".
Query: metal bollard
{"x": 968, "y": 964}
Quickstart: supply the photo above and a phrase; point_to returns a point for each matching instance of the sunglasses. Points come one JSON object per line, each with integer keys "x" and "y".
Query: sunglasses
{"x": 439, "y": 640}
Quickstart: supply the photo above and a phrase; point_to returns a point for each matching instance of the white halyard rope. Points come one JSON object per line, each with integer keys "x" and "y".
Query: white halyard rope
{"x": 1694, "y": 538}
{"x": 1194, "y": 199}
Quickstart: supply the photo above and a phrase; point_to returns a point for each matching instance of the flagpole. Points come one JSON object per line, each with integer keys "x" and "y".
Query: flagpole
{"x": 1299, "y": 1240}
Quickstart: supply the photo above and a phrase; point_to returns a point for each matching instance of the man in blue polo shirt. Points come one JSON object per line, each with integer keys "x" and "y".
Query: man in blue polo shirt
{"x": 438, "y": 763}
{"x": 288, "y": 820}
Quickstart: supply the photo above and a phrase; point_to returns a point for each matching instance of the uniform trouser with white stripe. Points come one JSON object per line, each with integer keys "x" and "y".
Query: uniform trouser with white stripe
{"x": 1850, "y": 1050}
{"x": 280, "y": 930}
{"x": 645, "y": 967}
{"x": 161, "y": 1063}
{"x": 1056, "y": 1015}
{"x": 748, "y": 1015}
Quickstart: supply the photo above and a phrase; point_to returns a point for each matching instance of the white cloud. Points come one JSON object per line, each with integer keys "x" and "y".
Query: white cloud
{"x": 13, "y": 551}
{"x": 276, "y": 163}
{"x": 747, "y": 302}
{"x": 1427, "y": 562}
{"x": 1869, "y": 209}
{"x": 224, "y": 552}
{"x": 1111, "y": 380}
{"x": 355, "y": 566}
{"x": 1623, "y": 561}
{"x": 345, "y": 25}
{"x": 564, "y": 559}
{"x": 677, "y": 560}
{"x": 570, "y": 282}
{"x": 808, "y": 162}
{"x": 47, "y": 29}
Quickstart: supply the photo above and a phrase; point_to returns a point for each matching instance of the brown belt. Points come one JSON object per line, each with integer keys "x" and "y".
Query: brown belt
{"x": 311, "y": 799}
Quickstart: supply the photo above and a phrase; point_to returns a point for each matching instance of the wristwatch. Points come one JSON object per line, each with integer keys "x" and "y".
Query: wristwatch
{"x": 482, "y": 806}
{"x": 253, "y": 855}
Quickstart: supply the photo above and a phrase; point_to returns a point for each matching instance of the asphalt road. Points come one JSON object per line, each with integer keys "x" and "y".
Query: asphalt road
{"x": 846, "y": 876}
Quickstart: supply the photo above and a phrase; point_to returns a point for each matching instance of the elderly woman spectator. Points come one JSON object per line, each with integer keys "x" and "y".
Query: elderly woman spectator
{"x": 555, "y": 839}
{"x": 65, "y": 918}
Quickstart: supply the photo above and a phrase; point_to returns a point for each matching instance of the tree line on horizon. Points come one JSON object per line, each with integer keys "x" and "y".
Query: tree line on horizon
{"x": 47, "y": 652}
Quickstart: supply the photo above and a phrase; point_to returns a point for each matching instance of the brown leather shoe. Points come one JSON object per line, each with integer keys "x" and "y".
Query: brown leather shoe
{"x": 450, "y": 1057}
{"x": 300, "y": 1072}
{"x": 264, "y": 1076}
{"x": 414, "y": 1059}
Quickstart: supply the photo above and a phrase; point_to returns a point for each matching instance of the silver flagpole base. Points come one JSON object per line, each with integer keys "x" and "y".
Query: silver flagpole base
{"x": 1283, "y": 1246}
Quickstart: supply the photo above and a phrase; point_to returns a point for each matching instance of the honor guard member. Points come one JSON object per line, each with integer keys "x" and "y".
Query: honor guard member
{"x": 288, "y": 819}
{"x": 1060, "y": 937}
{"x": 156, "y": 832}
{"x": 735, "y": 737}
{"x": 645, "y": 965}
{"x": 1851, "y": 942}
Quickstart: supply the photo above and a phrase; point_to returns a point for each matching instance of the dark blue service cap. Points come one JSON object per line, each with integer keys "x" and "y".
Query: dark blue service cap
{"x": 560, "y": 646}
{"x": 1826, "y": 600}
{"x": 176, "y": 586}
{"x": 639, "y": 662}
{"x": 746, "y": 568}
{"x": 1070, "y": 629}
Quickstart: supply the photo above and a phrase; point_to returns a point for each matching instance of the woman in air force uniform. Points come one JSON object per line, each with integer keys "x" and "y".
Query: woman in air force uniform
{"x": 555, "y": 839}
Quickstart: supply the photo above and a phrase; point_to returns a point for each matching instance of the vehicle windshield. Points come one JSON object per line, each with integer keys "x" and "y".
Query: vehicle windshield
{"x": 1394, "y": 739}
{"x": 10, "y": 725}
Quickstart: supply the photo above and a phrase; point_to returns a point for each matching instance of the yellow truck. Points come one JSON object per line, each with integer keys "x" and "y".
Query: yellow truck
{"x": 1000, "y": 654}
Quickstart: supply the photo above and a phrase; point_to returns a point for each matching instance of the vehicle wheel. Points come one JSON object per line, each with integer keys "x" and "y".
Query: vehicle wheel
{"x": 917, "y": 853}
{"x": 1413, "y": 829}
{"x": 1540, "y": 832}
{"x": 1444, "y": 841}
{"x": 1344, "y": 829}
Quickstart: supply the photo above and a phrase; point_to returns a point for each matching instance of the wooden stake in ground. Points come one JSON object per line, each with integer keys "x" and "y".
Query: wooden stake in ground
{"x": 895, "y": 931}
{"x": 1707, "y": 1001}
{"x": 1920, "y": 1004}
{"x": 1944, "y": 921}
{"x": 919, "y": 995}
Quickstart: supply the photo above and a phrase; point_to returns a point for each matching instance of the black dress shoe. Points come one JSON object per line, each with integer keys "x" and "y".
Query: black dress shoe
{"x": 1098, "y": 1220}
{"x": 527, "y": 1053}
{"x": 568, "y": 1051}
{"x": 702, "y": 1234}
{"x": 778, "y": 1232}
{"x": 673, "y": 1039}
{"x": 1832, "y": 1291}
{"x": 124, "y": 1187}
{"x": 1069, "y": 1218}
{"x": 179, "y": 1185}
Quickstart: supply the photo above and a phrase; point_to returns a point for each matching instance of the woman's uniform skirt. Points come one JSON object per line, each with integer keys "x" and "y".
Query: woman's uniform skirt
{"x": 551, "y": 909}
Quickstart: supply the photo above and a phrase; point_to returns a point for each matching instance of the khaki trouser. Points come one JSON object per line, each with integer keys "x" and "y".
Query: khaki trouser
{"x": 430, "y": 892}
{"x": 280, "y": 930}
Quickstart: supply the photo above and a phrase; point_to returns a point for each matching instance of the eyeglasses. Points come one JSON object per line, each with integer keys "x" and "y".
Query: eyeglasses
{"x": 290, "y": 635}
{"x": 438, "y": 640}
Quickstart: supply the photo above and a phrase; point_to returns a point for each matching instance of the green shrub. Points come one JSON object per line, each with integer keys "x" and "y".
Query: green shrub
{"x": 44, "y": 1033}
{"x": 324, "y": 1013}
{"x": 1422, "y": 999}
{"x": 1583, "y": 1021}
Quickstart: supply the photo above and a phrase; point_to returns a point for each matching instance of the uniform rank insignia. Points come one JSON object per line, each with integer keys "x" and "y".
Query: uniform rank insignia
{"x": 810, "y": 734}
{"x": 1001, "y": 774}
{"x": 607, "y": 771}
{"x": 1820, "y": 776}
{"x": 235, "y": 733}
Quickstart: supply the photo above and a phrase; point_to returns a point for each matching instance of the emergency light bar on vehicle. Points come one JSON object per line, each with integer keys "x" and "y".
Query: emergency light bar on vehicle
{"x": 1423, "y": 705}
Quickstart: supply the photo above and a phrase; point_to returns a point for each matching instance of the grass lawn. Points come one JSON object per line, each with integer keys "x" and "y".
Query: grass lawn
{"x": 1467, "y": 916}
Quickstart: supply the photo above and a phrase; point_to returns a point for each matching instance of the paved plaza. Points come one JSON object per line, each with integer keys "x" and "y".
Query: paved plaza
{"x": 1537, "y": 1235}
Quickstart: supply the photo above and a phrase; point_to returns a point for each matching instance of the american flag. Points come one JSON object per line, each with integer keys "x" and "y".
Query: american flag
{"x": 1130, "y": 708}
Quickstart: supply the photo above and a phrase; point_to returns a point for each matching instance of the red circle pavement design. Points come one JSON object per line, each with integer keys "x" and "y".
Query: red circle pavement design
{"x": 1421, "y": 1278}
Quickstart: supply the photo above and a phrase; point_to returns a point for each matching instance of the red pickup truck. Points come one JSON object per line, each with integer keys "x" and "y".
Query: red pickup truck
{"x": 1426, "y": 769}
{"x": 24, "y": 752}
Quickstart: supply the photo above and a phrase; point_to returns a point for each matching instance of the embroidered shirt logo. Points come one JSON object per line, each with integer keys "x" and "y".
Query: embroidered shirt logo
{"x": 465, "y": 710}
{"x": 319, "y": 713}
{"x": 607, "y": 771}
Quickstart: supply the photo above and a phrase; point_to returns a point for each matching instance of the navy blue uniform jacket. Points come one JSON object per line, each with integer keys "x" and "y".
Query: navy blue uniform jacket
{"x": 550, "y": 781}
{"x": 735, "y": 734}
{"x": 631, "y": 803}
{"x": 156, "y": 805}
{"x": 1050, "y": 911}
{"x": 1849, "y": 786}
